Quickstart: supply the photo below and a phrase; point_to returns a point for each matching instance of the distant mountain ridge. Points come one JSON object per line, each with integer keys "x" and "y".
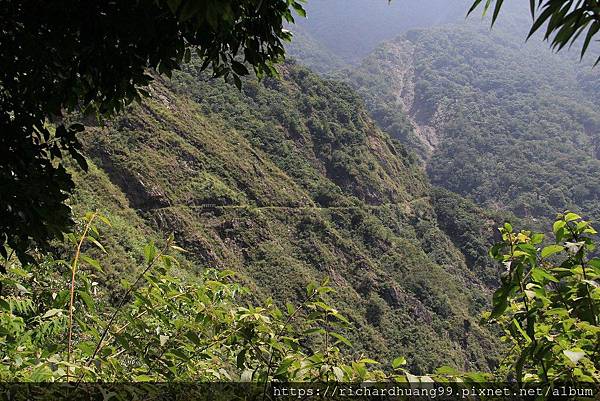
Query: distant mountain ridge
{"x": 351, "y": 29}
{"x": 296, "y": 179}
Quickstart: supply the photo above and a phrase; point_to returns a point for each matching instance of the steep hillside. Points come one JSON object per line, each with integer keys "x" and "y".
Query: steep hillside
{"x": 508, "y": 125}
{"x": 289, "y": 182}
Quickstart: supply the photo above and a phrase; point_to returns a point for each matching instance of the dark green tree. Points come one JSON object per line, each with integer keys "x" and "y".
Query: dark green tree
{"x": 95, "y": 57}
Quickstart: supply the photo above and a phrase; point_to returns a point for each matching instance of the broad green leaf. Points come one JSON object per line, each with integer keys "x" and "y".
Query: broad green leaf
{"x": 87, "y": 347}
{"x": 571, "y": 216}
{"x": 144, "y": 378}
{"x": 558, "y": 312}
{"x": 177, "y": 248}
{"x": 400, "y": 361}
{"x": 21, "y": 288}
{"x": 446, "y": 370}
{"x": 92, "y": 262}
{"x": 149, "y": 252}
{"x": 240, "y": 359}
{"x": 87, "y": 299}
{"x": 342, "y": 339}
{"x": 163, "y": 340}
{"x": 95, "y": 242}
{"x": 500, "y": 300}
{"x": 369, "y": 361}
{"x": 540, "y": 274}
{"x": 338, "y": 373}
{"x": 239, "y": 68}
{"x": 412, "y": 378}
{"x": 520, "y": 329}
{"x": 52, "y": 312}
{"x": 573, "y": 247}
{"x": 314, "y": 330}
{"x": 537, "y": 238}
{"x": 104, "y": 219}
{"x": 299, "y": 9}
{"x": 283, "y": 367}
{"x": 520, "y": 253}
{"x": 558, "y": 225}
{"x": 41, "y": 374}
{"x": 551, "y": 250}
{"x": 323, "y": 306}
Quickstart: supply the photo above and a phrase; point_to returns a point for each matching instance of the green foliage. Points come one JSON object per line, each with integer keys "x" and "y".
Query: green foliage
{"x": 310, "y": 51}
{"x": 168, "y": 328}
{"x": 164, "y": 328}
{"x": 548, "y": 304}
{"x": 472, "y": 230}
{"x": 58, "y": 62}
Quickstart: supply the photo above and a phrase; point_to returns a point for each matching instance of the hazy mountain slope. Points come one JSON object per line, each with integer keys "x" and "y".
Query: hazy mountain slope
{"x": 351, "y": 29}
{"x": 504, "y": 123}
{"x": 290, "y": 182}
{"x": 312, "y": 52}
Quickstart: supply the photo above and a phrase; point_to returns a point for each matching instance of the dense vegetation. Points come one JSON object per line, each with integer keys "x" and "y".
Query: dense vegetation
{"x": 507, "y": 124}
{"x": 548, "y": 305}
{"x": 289, "y": 182}
{"x": 167, "y": 326}
{"x": 271, "y": 185}
{"x": 563, "y": 21}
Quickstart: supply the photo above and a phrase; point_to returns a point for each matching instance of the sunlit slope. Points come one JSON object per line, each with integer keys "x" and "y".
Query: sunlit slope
{"x": 288, "y": 182}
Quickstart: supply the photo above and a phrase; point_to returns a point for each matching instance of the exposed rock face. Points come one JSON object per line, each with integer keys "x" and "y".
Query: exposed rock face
{"x": 142, "y": 193}
{"x": 392, "y": 295}
{"x": 393, "y": 65}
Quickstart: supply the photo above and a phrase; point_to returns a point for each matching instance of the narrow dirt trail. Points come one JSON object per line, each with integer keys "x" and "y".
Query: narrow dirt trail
{"x": 209, "y": 207}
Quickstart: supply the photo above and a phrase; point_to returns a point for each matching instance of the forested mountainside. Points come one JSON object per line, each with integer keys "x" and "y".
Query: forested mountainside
{"x": 510, "y": 126}
{"x": 291, "y": 181}
{"x": 178, "y": 203}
